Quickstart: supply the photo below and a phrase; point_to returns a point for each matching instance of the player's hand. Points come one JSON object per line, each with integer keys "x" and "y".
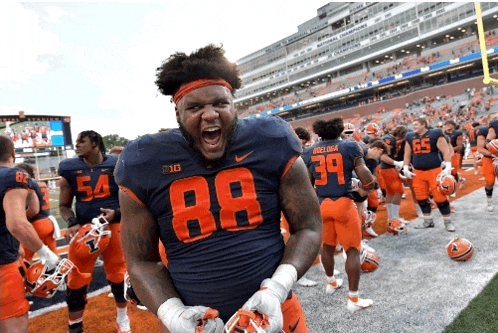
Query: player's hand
{"x": 108, "y": 214}
{"x": 355, "y": 184}
{"x": 70, "y": 232}
{"x": 267, "y": 301}
{"x": 447, "y": 168}
{"x": 21, "y": 251}
{"x": 179, "y": 318}
{"x": 408, "y": 174}
{"x": 398, "y": 165}
{"x": 48, "y": 258}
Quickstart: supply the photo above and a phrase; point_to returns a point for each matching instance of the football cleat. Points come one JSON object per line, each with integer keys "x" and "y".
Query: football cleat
{"x": 492, "y": 147}
{"x": 396, "y": 227}
{"x": 91, "y": 239}
{"x": 356, "y": 303}
{"x": 446, "y": 184}
{"x": 460, "y": 249}
{"x": 371, "y": 232}
{"x": 449, "y": 226}
{"x": 247, "y": 321}
{"x": 369, "y": 261}
{"x": 41, "y": 283}
{"x": 305, "y": 282}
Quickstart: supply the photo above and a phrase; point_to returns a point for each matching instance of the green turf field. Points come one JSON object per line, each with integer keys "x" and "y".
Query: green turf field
{"x": 54, "y": 208}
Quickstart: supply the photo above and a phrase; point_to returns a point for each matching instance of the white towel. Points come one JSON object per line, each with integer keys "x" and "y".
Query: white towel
{"x": 57, "y": 230}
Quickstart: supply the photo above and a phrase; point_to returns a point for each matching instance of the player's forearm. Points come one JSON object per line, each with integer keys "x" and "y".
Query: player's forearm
{"x": 24, "y": 232}
{"x": 301, "y": 250}
{"x": 66, "y": 212}
{"x": 151, "y": 282}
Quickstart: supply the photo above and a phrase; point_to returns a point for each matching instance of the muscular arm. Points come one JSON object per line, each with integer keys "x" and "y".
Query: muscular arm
{"x": 481, "y": 146}
{"x": 459, "y": 144}
{"x": 139, "y": 236}
{"x": 32, "y": 204}
{"x": 14, "y": 205}
{"x": 408, "y": 154}
{"x": 364, "y": 175}
{"x": 444, "y": 148}
{"x": 65, "y": 199}
{"x": 301, "y": 209}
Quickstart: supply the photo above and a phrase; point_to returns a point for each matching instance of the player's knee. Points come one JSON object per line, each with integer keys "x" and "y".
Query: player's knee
{"x": 76, "y": 299}
{"x": 444, "y": 207}
{"x": 425, "y": 206}
{"x": 118, "y": 291}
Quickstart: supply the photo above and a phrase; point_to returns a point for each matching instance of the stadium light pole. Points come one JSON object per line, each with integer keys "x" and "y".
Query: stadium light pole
{"x": 482, "y": 43}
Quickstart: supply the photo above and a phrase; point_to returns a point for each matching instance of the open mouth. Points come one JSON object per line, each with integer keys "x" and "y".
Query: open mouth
{"x": 211, "y": 137}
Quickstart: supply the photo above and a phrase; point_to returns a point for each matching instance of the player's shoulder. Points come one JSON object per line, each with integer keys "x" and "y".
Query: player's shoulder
{"x": 493, "y": 123}
{"x": 109, "y": 160}
{"x": 148, "y": 146}
{"x": 71, "y": 163}
{"x": 271, "y": 127}
{"x": 437, "y": 132}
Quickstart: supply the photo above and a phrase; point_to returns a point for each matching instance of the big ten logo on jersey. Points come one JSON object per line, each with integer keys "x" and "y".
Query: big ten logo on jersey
{"x": 101, "y": 189}
{"x": 235, "y": 191}
{"x": 172, "y": 168}
{"x": 330, "y": 163}
{"x": 421, "y": 145}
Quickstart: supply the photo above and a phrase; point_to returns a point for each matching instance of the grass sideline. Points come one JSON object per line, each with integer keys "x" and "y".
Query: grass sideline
{"x": 481, "y": 315}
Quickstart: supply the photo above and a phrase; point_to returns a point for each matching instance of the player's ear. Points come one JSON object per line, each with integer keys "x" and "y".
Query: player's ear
{"x": 177, "y": 114}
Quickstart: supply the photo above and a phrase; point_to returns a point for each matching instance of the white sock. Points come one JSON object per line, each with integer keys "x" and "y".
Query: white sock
{"x": 395, "y": 211}
{"x": 418, "y": 210}
{"x": 354, "y": 294}
{"x": 122, "y": 314}
{"x": 388, "y": 209}
{"x": 330, "y": 278}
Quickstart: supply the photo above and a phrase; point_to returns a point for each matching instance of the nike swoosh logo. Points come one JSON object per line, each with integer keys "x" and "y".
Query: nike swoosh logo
{"x": 243, "y": 157}
{"x": 292, "y": 328}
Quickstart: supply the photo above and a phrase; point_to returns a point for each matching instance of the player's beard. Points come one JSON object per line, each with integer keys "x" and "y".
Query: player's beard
{"x": 207, "y": 162}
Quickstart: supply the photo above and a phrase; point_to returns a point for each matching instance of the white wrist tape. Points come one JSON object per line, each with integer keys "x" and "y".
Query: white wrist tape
{"x": 43, "y": 252}
{"x": 286, "y": 275}
{"x": 168, "y": 309}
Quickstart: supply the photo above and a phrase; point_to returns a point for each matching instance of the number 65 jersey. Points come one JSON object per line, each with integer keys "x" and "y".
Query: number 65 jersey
{"x": 220, "y": 224}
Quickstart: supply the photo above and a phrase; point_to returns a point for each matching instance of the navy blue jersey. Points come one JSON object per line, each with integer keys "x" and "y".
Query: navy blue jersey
{"x": 93, "y": 186}
{"x": 391, "y": 142}
{"x": 454, "y": 136}
{"x": 366, "y": 139}
{"x": 331, "y": 163}
{"x": 10, "y": 178}
{"x": 425, "y": 154}
{"x": 494, "y": 125}
{"x": 482, "y": 131}
{"x": 220, "y": 225}
{"x": 43, "y": 196}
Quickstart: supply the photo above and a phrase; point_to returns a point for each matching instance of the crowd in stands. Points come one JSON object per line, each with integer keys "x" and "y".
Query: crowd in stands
{"x": 458, "y": 48}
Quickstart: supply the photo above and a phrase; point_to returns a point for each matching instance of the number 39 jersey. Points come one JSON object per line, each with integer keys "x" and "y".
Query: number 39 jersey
{"x": 220, "y": 225}
{"x": 93, "y": 186}
{"x": 331, "y": 164}
{"x": 10, "y": 178}
{"x": 425, "y": 154}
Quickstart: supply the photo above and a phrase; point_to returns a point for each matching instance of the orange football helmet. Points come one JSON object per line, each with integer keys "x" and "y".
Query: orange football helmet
{"x": 247, "y": 321}
{"x": 369, "y": 261}
{"x": 372, "y": 128}
{"x": 492, "y": 147}
{"x": 460, "y": 249}
{"x": 348, "y": 131}
{"x": 91, "y": 239}
{"x": 396, "y": 227}
{"x": 446, "y": 184}
{"x": 41, "y": 283}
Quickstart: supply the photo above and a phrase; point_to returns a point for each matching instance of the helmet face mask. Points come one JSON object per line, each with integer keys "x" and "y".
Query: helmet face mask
{"x": 41, "y": 283}
{"x": 246, "y": 321}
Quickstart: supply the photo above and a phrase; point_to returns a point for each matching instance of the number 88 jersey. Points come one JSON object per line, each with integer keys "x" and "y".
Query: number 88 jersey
{"x": 220, "y": 224}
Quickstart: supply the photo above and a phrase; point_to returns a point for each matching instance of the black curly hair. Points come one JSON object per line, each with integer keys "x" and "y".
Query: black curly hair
{"x": 329, "y": 129}
{"x": 208, "y": 62}
{"x": 302, "y": 133}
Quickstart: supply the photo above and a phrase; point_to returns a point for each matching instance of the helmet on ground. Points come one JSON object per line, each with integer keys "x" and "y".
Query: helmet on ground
{"x": 396, "y": 227}
{"x": 369, "y": 261}
{"x": 91, "y": 239}
{"x": 446, "y": 184}
{"x": 460, "y": 249}
{"x": 41, "y": 283}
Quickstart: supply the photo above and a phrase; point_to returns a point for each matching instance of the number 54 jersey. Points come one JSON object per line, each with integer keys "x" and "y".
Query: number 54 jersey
{"x": 93, "y": 186}
{"x": 220, "y": 224}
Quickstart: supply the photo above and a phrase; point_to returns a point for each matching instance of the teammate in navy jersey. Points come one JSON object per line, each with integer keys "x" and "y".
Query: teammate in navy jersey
{"x": 457, "y": 144}
{"x": 212, "y": 191}
{"x": 331, "y": 163}
{"x": 472, "y": 135}
{"x": 89, "y": 178}
{"x": 16, "y": 196}
{"x": 484, "y": 135}
{"x": 423, "y": 148}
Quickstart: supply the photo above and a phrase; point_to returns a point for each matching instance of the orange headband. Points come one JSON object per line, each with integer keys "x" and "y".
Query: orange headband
{"x": 188, "y": 87}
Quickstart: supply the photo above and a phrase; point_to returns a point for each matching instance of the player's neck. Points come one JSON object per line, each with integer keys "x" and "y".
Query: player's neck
{"x": 9, "y": 163}
{"x": 93, "y": 159}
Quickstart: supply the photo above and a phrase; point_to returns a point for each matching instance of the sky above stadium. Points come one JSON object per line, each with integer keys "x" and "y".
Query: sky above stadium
{"x": 95, "y": 62}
